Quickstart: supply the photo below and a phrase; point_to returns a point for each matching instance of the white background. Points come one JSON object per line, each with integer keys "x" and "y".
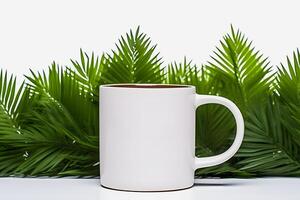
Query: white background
{"x": 33, "y": 33}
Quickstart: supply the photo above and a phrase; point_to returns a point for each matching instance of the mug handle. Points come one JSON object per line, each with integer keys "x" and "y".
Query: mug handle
{"x": 223, "y": 157}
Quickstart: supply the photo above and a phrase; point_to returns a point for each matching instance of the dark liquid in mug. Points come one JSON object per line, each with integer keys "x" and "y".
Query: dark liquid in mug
{"x": 148, "y": 86}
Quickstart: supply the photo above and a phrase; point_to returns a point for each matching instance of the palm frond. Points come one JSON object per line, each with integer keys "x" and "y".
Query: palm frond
{"x": 10, "y": 96}
{"x": 186, "y": 72}
{"x": 67, "y": 146}
{"x": 134, "y": 61}
{"x": 50, "y": 126}
{"x": 88, "y": 72}
{"x": 63, "y": 89}
{"x": 181, "y": 73}
{"x": 11, "y": 155}
{"x": 240, "y": 72}
{"x": 288, "y": 88}
{"x": 268, "y": 149}
{"x": 61, "y": 130}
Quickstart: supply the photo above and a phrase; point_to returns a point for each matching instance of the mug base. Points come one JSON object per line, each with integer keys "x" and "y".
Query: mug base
{"x": 134, "y": 190}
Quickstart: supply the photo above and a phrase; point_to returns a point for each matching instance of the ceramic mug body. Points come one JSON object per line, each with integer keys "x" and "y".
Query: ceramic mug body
{"x": 147, "y": 136}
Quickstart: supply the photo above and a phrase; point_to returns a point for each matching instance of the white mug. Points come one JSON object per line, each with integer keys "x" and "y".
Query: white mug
{"x": 147, "y": 136}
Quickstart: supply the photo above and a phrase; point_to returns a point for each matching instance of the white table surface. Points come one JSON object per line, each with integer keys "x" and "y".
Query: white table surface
{"x": 205, "y": 189}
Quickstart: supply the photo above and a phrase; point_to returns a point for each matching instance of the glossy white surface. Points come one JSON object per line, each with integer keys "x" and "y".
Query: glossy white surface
{"x": 207, "y": 189}
{"x": 147, "y": 137}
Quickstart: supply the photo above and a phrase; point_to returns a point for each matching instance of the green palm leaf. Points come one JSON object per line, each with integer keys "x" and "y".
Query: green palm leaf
{"x": 64, "y": 90}
{"x": 268, "y": 148}
{"x": 288, "y": 88}
{"x": 88, "y": 72}
{"x": 182, "y": 73}
{"x": 55, "y": 143}
{"x": 134, "y": 61}
{"x": 11, "y": 155}
{"x": 61, "y": 130}
{"x": 239, "y": 71}
{"x": 50, "y": 126}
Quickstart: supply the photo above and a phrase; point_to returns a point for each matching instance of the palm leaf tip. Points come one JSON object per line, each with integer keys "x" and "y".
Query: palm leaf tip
{"x": 88, "y": 71}
{"x": 288, "y": 89}
{"x": 242, "y": 72}
{"x": 134, "y": 61}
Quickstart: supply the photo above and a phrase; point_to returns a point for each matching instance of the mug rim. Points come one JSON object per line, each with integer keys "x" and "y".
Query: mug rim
{"x": 147, "y": 86}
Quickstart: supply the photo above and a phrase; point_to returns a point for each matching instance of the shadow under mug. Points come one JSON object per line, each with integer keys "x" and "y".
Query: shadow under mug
{"x": 147, "y": 136}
